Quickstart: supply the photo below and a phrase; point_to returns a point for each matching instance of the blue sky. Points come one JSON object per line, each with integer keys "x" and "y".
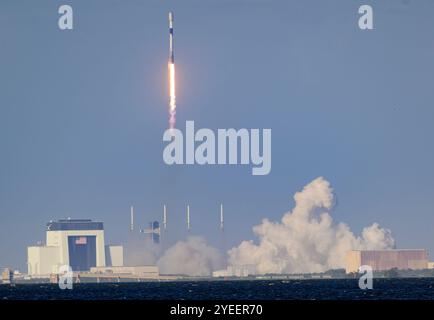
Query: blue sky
{"x": 82, "y": 114}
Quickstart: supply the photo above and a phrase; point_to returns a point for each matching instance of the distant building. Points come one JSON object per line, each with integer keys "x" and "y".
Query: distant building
{"x": 114, "y": 256}
{"x": 7, "y": 276}
{"x": 144, "y": 272}
{"x": 77, "y": 243}
{"x": 387, "y": 259}
{"x": 236, "y": 271}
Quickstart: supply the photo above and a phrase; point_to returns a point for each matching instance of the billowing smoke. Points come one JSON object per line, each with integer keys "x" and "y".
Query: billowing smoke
{"x": 307, "y": 240}
{"x": 139, "y": 252}
{"x": 192, "y": 257}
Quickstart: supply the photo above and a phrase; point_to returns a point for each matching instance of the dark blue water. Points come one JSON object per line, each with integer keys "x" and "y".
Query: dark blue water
{"x": 346, "y": 289}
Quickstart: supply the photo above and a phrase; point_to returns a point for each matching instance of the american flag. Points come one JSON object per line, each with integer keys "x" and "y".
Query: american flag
{"x": 81, "y": 240}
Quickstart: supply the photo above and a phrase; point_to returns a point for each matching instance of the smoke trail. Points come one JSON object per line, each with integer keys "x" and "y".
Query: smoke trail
{"x": 192, "y": 257}
{"x": 306, "y": 240}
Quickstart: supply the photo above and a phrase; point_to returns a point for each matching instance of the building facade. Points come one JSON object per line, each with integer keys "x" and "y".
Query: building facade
{"x": 387, "y": 259}
{"x": 75, "y": 243}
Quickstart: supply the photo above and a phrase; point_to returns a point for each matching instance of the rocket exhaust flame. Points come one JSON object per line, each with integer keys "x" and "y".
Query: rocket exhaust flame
{"x": 172, "y": 100}
{"x": 172, "y": 96}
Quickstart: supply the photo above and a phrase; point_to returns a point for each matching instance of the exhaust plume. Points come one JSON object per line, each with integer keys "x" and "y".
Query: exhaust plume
{"x": 306, "y": 240}
{"x": 192, "y": 257}
{"x": 172, "y": 100}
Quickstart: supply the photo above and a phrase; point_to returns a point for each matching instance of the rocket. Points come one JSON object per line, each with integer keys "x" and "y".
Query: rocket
{"x": 188, "y": 217}
{"x": 221, "y": 217}
{"x": 171, "y": 55}
{"x": 171, "y": 66}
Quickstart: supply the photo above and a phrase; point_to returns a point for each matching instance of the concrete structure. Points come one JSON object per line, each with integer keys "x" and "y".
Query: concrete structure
{"x": 387, "y": 259}
{"x": 114, "y": 256}
{"x": 42, "y": 260}
{"x": 75, "y": 243}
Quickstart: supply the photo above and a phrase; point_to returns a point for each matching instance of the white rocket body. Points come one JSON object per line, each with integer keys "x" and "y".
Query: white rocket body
{"x": 188, "y": 217}
{"x": 221, "y": 217}
{"x": 171, "y": 55}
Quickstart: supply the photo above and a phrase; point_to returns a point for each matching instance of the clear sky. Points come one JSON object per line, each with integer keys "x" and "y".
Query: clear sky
{"x": 82, "y": 114}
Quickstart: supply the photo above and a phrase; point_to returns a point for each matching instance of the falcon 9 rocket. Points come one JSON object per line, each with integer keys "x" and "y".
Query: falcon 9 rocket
{"x": 172, "y": 98}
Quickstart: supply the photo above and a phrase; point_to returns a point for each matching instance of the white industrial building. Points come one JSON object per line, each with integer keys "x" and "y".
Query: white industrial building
{"x": 402, "y": 259}
{"x": 235, "y": 271}
{"x": 75, "y": 243}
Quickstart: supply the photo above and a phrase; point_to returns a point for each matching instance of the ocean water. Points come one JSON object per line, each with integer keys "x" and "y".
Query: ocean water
{"x": 324, "y": 289}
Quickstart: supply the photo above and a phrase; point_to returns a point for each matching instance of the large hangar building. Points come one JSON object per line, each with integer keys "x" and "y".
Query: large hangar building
{"x": 78, "y": 243}
{"x": 403, "y": 259}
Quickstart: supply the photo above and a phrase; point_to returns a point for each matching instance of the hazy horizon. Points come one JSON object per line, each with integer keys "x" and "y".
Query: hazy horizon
{"x": 83, "y": 112}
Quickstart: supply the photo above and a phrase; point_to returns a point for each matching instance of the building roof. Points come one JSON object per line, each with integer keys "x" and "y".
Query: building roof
{"x": 74, "y": 224}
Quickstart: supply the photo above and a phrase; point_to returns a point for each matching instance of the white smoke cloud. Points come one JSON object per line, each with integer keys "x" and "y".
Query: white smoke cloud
{"x": 139, "y": 251}
{"x": 307, "y": 240}
{"x": 192, "y": 257}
